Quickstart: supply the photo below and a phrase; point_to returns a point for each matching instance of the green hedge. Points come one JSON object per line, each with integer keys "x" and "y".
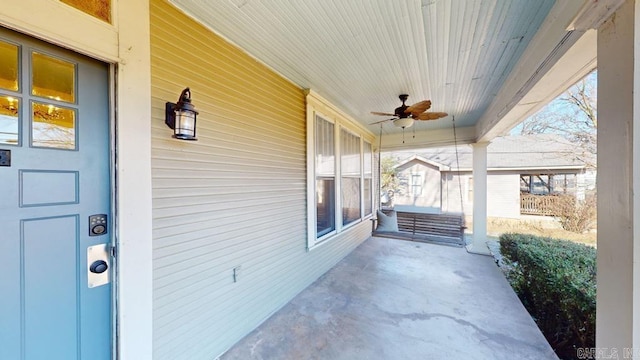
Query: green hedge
{"x": 556, "y": 282}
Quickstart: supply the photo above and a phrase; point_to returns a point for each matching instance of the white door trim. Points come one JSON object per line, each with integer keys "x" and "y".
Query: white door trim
{"x": 126, "y": 45}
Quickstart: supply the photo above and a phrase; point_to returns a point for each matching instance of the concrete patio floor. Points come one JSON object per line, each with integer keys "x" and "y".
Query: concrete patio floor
{"x": 393, "y": 299}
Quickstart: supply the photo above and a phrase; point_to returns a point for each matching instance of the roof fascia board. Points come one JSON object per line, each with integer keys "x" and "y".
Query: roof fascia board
{"x": 550, "y": 44}
{"x": 437, "y": 165}
{"x": 521, "y": 168}
{"x": 428, "y": 139}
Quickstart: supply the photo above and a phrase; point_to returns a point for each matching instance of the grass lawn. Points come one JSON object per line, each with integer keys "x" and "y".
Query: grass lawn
{"x": 535, "y": 226}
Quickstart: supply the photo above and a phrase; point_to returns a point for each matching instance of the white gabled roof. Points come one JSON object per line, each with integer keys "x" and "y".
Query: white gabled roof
{"x": 421, "y": 159}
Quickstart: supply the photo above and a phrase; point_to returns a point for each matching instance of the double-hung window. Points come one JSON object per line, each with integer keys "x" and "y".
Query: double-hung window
{"x": 351, "y": 175}
{"x": 325, "y": 165}
{"x": 416, "y": 184}
{"x": 368, "y": 179}
{"x": 340, "y": 172}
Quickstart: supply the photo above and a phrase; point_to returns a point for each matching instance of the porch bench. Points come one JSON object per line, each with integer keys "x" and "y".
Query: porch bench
{"x": 438, "y": 228}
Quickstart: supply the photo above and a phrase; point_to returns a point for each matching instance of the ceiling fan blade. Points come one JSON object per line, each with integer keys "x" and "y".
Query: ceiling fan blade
{"x": 381, "y": 121}
{"x": 431, "y": 115}
{"x": 418, "y": 108}
{"x": 382, "y": 113}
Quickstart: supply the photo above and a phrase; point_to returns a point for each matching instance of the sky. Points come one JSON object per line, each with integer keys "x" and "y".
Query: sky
{"x": 559, "y": 110}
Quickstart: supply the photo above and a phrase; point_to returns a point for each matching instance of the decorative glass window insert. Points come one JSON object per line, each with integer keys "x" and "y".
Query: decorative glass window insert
{"x": 325, "y": 166}
{"x": 351, "y": 174}
{"x": 53, "y": 126}
{"x": 100, "y": 9}
{"x": 368, "y": 179}
{"x": 9, "y": 66}
{"x": 53, "y": 78}
{"x": 9, "y": 120}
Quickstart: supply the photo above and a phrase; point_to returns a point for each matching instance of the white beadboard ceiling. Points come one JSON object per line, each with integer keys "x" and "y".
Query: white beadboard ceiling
{"x": 361, "y": 54}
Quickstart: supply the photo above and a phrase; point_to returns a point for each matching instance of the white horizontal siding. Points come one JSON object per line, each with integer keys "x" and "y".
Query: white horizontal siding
{"x": 236, "y": 197}
{"x": 503, "y": 195}
{"x": 429, "y": 200}
{"x": 454, "y": 186}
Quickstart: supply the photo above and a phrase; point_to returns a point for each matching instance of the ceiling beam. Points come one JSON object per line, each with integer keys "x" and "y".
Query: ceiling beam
{"x": 550, "y": 46}
{"x": 427, "y": 139}
{"x": 577, "y": 63}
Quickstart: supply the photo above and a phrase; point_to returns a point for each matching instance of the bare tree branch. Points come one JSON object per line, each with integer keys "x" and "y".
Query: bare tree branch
{"x": 574, "y": 116}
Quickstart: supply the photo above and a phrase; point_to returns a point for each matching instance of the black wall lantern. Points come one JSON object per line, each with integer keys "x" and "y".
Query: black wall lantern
{"x": 181, "y": 117}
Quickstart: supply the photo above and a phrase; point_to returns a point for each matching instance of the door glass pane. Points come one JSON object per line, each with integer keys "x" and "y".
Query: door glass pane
{"x": 8, "y": 66}
{"x": 9, "y": 121}
{"x": 53, "y": 126}
{"x": 53, "y": 78}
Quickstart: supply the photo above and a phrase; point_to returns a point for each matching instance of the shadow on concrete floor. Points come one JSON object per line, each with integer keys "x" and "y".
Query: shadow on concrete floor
{"x": 393, "y": 299}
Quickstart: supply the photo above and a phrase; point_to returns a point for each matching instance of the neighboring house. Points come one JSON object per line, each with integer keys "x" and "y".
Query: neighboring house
{"x": 435, "y": 180}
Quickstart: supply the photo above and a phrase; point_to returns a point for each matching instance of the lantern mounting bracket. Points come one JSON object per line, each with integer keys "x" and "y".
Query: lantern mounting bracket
{"x": 170, "y": 115}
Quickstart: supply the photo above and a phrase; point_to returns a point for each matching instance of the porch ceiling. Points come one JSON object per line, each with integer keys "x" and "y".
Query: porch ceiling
{"x": 465, "y": 56}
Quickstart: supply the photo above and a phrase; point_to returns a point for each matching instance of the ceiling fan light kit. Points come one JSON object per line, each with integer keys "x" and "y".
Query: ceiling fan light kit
{"x": 403, "y": 122}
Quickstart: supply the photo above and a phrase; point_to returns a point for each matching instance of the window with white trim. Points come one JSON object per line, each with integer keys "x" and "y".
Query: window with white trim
{"x": 368, "y": 179}
{"x": 325, "y": 177}
{"x": 340, "y": 186}
{"x": 416, "y": 184}
{"x": 351, "y": 176}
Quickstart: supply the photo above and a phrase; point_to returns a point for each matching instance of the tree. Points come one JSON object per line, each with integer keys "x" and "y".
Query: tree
{"x": 572, "y": 115}
{"x": 388, "y": 179}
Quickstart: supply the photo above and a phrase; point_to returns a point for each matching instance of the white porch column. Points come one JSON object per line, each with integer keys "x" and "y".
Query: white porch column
{"x": 479, "y": 241}
{"x": 618, "y": 297}
{"x": 135, "y": 250}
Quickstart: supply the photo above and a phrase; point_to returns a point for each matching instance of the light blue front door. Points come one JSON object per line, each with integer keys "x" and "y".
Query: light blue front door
{"x": 55, "y": 288}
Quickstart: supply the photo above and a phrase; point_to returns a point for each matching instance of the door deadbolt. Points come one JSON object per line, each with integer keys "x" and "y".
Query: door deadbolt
{"x": 5, "y": 157}
{"x": 97, "y": 224}
{"x": 98, "y": 267}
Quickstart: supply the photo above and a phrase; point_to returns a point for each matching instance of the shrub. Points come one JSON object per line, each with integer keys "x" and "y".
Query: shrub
{"x": 574, "y": 215}
{"x": 556, "y": 282}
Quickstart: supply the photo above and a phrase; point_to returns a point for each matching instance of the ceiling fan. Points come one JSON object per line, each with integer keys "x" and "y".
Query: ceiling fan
{"x": 405, "y": 115}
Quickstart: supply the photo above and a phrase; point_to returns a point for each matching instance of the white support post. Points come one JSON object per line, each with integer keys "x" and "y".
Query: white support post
{"x": 479, "y": 241}
{"x": 135, "y": 251}
{"x": 618, "y": 296}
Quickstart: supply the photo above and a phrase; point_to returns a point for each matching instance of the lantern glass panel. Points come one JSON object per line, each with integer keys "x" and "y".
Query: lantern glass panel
{"x": 185, "y": 123}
